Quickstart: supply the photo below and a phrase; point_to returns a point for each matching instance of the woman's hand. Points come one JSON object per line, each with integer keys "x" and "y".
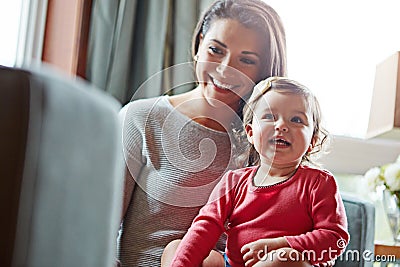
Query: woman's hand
{"x": 259, "y": 249}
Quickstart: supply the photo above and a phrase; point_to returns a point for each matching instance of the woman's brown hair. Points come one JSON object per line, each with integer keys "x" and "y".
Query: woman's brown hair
{"x": 254, "y": 14}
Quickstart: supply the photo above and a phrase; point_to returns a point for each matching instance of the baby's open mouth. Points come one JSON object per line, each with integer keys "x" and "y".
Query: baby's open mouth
{"x": 279, "y": 141}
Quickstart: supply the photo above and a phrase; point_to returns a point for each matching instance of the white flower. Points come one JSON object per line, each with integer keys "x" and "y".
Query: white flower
{"x": 373, "y": 179}
{"x": 392, "y": 176}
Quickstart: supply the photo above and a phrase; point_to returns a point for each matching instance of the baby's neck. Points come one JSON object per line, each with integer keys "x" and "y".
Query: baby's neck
{"x": 269, "y": 175}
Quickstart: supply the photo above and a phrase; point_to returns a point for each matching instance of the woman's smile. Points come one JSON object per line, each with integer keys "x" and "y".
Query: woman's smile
{"x": 223, "y": 86}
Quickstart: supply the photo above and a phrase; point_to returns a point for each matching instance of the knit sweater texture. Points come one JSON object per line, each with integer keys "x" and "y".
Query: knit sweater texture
{"x": 176, "y": 163}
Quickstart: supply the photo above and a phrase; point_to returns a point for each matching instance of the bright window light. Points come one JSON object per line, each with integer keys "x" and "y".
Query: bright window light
{"x": 334, "y": 47}
{"x": 10, "y": 14}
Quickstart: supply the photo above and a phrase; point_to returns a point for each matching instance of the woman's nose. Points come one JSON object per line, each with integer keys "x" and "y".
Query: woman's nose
{"x": 225, "y": 68}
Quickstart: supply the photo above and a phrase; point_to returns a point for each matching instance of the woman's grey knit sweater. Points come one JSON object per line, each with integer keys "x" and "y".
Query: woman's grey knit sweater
{"x": 176, "y": 163}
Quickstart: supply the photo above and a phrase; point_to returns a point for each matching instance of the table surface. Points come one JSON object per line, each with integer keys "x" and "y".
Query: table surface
{"x": 387, "y": 248}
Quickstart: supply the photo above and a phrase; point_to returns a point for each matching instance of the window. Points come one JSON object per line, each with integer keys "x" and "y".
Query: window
{"x": 334, "y": 47}
{"x": 10, "y": 14}
{"x": 22, "y": 27}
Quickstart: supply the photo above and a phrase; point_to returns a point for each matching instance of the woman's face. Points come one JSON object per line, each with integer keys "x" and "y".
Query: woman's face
{"x": 231, "y": 58}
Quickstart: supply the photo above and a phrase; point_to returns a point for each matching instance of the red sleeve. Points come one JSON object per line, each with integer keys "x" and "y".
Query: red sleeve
{"x": 207, "y": 227}
{"x": 329, "y": 237}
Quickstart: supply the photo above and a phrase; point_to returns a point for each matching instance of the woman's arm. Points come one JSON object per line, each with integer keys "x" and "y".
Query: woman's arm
{"x": 132, "y": 141}
{"x": 129, "y": 185}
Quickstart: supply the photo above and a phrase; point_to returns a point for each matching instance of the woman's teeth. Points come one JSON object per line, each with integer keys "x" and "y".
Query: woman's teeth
{"x": 223, "y": 85}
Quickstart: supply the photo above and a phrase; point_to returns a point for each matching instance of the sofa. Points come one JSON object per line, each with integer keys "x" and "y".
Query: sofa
{"x": 361, "y": 226}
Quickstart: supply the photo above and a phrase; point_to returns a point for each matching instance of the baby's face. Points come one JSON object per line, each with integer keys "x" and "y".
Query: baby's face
{"x": 282, "y": 128}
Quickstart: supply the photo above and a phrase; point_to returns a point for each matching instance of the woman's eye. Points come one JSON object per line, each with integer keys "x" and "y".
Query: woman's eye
{"x": 248, "y": 61}
{"x": 215, "y": 50}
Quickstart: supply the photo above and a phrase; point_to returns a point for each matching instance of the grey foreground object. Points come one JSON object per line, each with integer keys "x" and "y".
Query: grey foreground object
{"x": 61, "y": 171}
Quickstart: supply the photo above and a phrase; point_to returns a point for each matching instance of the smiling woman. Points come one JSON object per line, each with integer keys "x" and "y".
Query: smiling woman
{"x": 228, "y": 64}
{"x": 334, "y": 48}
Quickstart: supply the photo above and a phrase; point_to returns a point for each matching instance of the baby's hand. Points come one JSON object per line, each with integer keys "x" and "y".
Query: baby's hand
{"x": 254, "y": 251}
{"x": 329, "y": 263}
{"x": 257, "y": 251}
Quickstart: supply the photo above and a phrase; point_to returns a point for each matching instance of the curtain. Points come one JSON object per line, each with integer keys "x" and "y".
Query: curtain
{"x": 133, "y": 41}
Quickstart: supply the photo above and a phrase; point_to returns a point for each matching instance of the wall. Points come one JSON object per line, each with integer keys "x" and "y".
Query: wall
{"x": 66, "y": 35}
{"x": 355, "y": 156}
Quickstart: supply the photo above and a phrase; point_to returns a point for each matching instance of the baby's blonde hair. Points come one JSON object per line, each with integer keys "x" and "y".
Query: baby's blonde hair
{"x": 286, "y": 86}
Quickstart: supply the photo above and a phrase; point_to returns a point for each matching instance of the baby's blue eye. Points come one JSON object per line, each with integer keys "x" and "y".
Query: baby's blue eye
{"x": 297, "y": 120}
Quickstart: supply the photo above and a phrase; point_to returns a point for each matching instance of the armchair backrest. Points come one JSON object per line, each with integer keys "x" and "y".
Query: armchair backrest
{"x": 61, "y": 171}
